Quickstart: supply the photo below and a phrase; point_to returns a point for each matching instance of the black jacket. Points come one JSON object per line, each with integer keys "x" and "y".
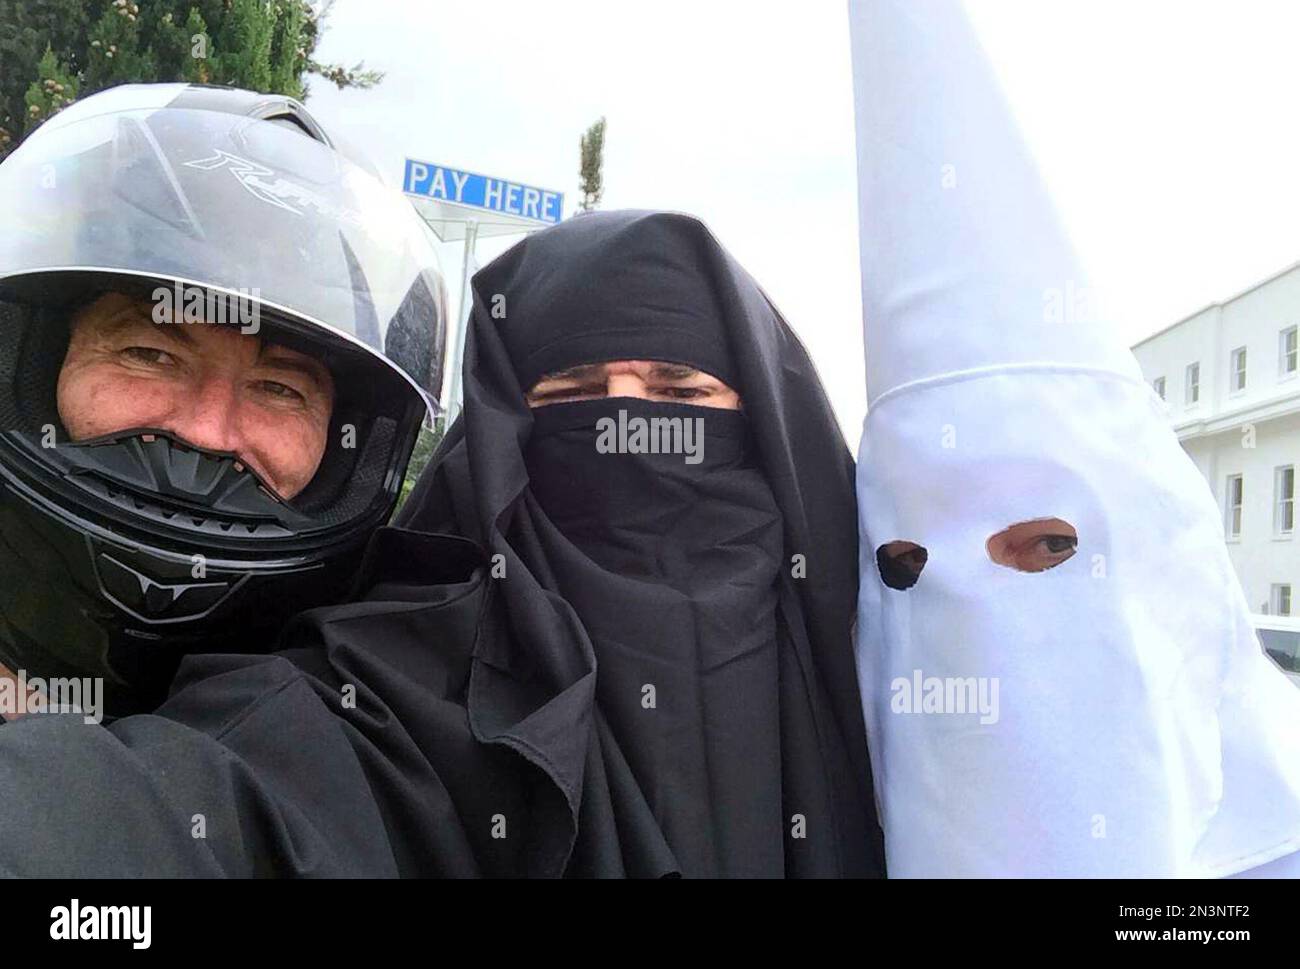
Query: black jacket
{"x": 347, "y": 753}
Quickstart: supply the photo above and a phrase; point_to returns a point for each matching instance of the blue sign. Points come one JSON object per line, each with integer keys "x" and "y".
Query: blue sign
{"x": 482, "y": 192}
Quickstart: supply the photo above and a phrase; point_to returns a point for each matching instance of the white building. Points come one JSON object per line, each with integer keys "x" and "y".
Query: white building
{"x": 1229, "y": 375}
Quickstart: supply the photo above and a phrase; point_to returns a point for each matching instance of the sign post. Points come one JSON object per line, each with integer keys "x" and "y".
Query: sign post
{"x": 454, "y": 392}
{"x": 457, "y": 205}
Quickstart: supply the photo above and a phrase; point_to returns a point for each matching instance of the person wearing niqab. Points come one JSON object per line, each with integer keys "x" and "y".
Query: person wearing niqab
{"x": 677, "y": 649}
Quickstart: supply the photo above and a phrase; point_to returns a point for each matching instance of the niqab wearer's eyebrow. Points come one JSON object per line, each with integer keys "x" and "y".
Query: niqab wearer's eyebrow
{"x": 580, "y": 372}
{"x": 669, "y": 371}
{"x": 675, "y": 371}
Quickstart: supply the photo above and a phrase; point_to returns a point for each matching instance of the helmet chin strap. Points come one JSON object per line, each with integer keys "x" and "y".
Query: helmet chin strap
{"x": 159, "y": 467}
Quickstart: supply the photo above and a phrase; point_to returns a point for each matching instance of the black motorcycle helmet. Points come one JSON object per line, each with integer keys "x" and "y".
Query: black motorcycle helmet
{"x": 120, "y": 554}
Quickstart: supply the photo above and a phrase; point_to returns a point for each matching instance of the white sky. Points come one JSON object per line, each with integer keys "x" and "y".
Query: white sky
{"x": 1168, "y": 131}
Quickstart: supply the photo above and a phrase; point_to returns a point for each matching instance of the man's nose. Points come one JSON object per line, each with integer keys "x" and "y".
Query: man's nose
{"x": 208, "y": 417}
{"x": 626, "y": 385}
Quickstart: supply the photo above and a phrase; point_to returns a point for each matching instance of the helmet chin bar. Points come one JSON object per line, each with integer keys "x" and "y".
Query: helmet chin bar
{"x": 152, "y": 471}
{"x": 135, "y": 548}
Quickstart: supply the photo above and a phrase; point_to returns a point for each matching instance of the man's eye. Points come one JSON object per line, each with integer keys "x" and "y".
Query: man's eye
{"x": 684, "y": 393}
{"x": 1045, "y": 552}
{"x": 277, "y": 389}
{"x": 149, "y": 355}
{"x": 1056, "y": 544}
{"x": 1035, "y": 545}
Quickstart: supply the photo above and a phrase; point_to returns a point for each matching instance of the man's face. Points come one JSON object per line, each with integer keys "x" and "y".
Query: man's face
{"x": 212, "y": 387}
{"x": 647, "y": 379}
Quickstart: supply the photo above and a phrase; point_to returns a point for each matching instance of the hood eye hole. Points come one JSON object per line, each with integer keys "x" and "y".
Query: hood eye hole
{"x": 1035, "y": 545}
{"x": 900, "y": 563}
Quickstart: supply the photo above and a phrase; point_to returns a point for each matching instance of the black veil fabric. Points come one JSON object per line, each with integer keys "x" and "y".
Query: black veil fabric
{"x": 729, "y": 587}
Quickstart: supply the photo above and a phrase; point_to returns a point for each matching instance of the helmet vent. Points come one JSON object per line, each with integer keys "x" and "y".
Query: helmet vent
{"x": 163, "y": 512}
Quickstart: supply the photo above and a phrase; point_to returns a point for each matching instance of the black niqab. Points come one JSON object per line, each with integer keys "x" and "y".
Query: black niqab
{"x": 674, "y": 645}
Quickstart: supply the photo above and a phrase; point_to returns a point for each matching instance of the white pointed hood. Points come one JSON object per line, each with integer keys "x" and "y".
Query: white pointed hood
{"x": 1112, "y": 714}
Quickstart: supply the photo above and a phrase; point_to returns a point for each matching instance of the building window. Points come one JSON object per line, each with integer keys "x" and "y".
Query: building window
{"x": 1158, "y": 385}
{"x": 1279, "y": 600}
{"x": 1287, "y": 346}
{"x": 1237, "y": 378}
{"x": 1233, "y": 510}
{"x": 1284, "y": 500}
{"x": 1193, "y": 383}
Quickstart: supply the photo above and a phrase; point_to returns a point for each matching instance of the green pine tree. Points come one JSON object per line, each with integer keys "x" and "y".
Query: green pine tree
{"x": 243, "y": 44}
{"x": 287, "y": 57}
{"x": 28, "y": 28}
{"x": 52, "y": 91}
{"x": 591, "y": 166}
{"x": 115, "y": 55}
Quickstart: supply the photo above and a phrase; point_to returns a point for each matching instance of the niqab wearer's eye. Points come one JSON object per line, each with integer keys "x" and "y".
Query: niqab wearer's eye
{"x": 1034, "y": 546}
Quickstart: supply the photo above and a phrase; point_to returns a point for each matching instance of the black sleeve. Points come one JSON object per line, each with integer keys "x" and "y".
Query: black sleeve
{"x": 248, "y": 773}
{"x": 346, "y": 753}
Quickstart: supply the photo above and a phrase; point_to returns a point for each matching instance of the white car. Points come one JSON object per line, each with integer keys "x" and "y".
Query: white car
{"x": 1280, "y": 637}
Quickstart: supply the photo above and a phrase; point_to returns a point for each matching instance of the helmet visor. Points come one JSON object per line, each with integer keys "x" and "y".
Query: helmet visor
{"x": 228, "y": 202}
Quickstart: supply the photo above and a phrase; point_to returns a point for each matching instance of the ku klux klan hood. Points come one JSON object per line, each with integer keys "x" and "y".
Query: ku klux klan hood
{"x": 1083, "y": 695}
